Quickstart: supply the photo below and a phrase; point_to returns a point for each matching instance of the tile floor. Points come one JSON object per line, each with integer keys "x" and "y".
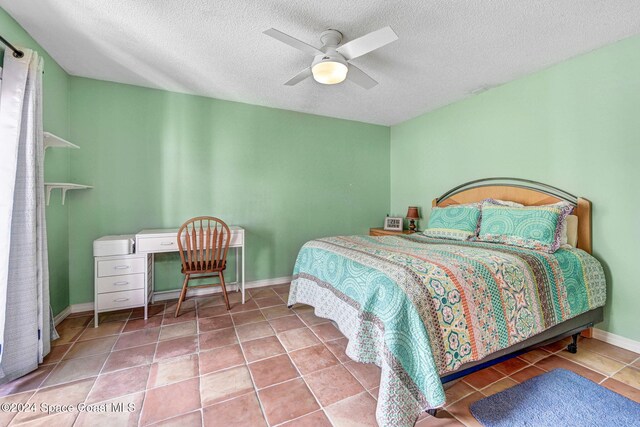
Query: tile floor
{"x": 262, "y": 364}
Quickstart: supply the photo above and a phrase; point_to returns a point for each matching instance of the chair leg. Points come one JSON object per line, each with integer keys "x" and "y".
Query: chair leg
{"x": 224, "y": 290}
{"x": 183, "y": 293}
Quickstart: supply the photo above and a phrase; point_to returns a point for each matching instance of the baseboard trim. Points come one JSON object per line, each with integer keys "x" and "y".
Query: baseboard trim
{"x": 617, "y": 340}
{"x": 62, "y": 315}
{"x": 166, "y": 295}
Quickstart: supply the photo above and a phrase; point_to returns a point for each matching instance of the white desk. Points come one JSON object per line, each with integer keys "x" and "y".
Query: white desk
{"x": 126, "y": 281}
{"x": 150, "y": 242}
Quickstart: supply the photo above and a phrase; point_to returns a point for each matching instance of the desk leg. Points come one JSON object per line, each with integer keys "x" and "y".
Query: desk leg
{"x": 148, "y": 283}
{"x": 237, "y": 270}
{"x": 243, "y": 273}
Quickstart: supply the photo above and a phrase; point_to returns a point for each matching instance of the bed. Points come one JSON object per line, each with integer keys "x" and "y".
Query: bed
{"x": 428, "y": 311}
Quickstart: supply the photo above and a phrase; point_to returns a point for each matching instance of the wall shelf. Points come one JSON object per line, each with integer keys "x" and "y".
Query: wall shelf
{"x": 53, "y": 141}
{"x": 64, "y": 186}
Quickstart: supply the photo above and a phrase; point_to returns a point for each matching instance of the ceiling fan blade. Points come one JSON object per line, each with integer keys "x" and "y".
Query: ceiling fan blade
{"x": 293, "y": 42}
{"x": 299, "y": 77}
{"x": 367, "y": 43}
{"x": 360, "y": 78}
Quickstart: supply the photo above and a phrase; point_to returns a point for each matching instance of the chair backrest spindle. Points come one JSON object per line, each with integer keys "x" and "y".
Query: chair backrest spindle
{"x": 206, "y": 244}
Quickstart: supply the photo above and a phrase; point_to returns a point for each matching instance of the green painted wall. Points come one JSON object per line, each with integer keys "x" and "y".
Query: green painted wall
{"x": 575, "y": 126}
{"x": 56, "y": 120}
{"x": 158, "y": 158}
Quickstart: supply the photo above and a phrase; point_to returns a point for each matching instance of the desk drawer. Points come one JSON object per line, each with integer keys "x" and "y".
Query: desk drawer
{"x": 126, "y": 282}
{"x": 118, "y": 267}
{"x": 157, "y": 244}
{"x": 170, "y": 244}
{"x": 116, "y": 300}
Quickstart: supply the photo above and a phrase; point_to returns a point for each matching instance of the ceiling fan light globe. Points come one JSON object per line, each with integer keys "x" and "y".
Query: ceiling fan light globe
{"x": 329, "y": 72}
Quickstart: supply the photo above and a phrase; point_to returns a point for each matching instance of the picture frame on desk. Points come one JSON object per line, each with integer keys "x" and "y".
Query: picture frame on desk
{"x": 393, "y": 223}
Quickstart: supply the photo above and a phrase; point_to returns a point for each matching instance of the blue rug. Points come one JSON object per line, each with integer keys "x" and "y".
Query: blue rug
{"x": 558, "y": 398}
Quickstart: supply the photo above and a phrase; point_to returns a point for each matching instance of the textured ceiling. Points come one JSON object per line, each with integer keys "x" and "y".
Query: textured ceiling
{"x": 446, "y": 50}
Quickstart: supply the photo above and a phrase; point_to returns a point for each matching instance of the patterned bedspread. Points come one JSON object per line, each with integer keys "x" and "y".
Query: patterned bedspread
{"x": 420, "y": 307}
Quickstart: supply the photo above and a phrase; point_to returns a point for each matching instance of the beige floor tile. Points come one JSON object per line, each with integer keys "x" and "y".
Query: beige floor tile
{"x": 298, "y": 338}
{"x": 91, "y": 347}
{"x": 185, "y": 420}
{"x": 173, "y": 370}
{"x": 64, "y": 419}
{"x": 626, "y": 390}
{"x": 254, "y": 331}
{"x": 629, "y": 376}
{"x": 277, "y": 311}
{"x": 6, "y": 415}
{"x": 129, "y": 357}
{"x": 314, "y": 419}
{"x": 56, "y": 354}
{"x": 333, "y": 384}
{"x": 70, "y": 393}
{"x": 31, "y": 381}
{"x": 498, "y": 386}
{"x": 68, "y": 335}
{"x": 75, "y": 369}
{"x": 314, "y": 358}
{"x": 247, "y": 317}
{"x": 326, "y": 332}
{"x": 527, "y": 373}
{"x": 460, "y": 410}
{"x": 127, "y": 417}
{"x": 534, "y": 355}
{"x": 592, "y": 360}
{"x": 510, "y": 366}
{"x": 457, "y": 391}
{"x": 178, "y": 330}
{"x": 368, "y": 374}
{"x": 483, "y": 378}
{"x": 224, "y": 385}
{"x": 103, "y": 330}
{"x": 442, "y": 419}
{"x": 286, "y": 401}
{"x": 239, "y": 412}
{"x": 137, "y": 338}
{"x": 286, "y": 323}
{"x": 273, "y": 370}
{"x": 262, "y": 348}
{"x": 356, "y": 411}
{"x": 220, "y": 358}
{"x": 119, "y": 383}
{"x": 606, "y": 349}
{"x": 553, "y": 362}
{"x": 176, "y": 347}
{"x": 217, "y": 339}
{"x": 170, "y": 400}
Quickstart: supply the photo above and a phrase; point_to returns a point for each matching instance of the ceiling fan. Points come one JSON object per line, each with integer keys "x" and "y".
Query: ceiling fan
{"x": 331, "y": 63}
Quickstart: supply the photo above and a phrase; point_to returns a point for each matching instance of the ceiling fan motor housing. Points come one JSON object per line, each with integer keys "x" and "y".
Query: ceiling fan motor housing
{"x": 331, "y": 38}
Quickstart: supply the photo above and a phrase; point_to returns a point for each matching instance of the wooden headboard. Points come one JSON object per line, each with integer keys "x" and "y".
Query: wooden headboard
{"x": 529, "y": 193}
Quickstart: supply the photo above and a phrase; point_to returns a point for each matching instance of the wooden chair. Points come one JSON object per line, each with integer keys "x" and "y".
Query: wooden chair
{"x": 203, "y": 243}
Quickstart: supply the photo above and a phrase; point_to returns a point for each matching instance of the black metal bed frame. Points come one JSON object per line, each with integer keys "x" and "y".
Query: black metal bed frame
{"x": 511, "y": 182}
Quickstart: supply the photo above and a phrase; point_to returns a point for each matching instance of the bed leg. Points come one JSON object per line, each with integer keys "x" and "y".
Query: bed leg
{"x": 573, "y": 347}
{"x": 432, "y": 412}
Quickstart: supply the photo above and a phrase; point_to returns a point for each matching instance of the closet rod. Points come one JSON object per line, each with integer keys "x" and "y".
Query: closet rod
{"x": 16, "y": 52}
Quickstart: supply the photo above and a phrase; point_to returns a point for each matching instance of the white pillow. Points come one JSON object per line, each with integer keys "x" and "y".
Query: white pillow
{"x": 508, "y": 203}
{"x": 571, "y": 235}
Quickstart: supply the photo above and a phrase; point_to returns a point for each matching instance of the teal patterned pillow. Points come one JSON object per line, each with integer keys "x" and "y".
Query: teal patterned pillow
{"x": 535, "y": 227}
{"x": 458, "y": 222}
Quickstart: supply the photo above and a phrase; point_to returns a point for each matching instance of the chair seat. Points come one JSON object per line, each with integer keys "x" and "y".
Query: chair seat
{"x": 204, "y": 267}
